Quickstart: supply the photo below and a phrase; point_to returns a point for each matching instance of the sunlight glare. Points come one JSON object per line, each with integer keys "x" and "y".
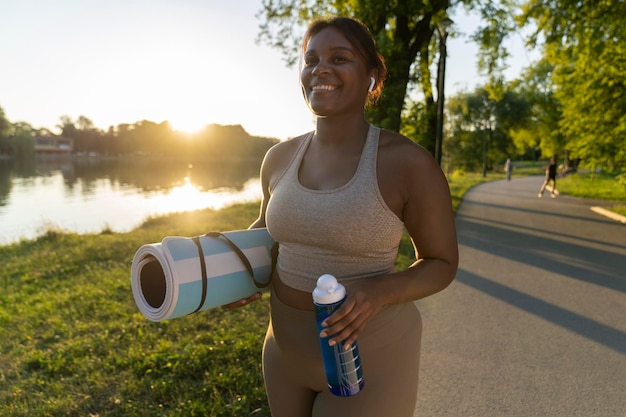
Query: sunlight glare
{"x": 188, "y": 197}
{"x": 187, "y": 124}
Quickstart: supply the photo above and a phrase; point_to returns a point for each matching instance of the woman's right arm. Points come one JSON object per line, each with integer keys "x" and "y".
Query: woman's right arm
{"x": 267, "y": 167}
{"x": 257, "y": 224}
{"x": 276, "y": 161}
{"x": 272, "y": 162}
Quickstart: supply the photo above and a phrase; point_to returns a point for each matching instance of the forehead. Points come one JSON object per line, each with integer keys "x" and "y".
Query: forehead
{"x": 328, "y": 38}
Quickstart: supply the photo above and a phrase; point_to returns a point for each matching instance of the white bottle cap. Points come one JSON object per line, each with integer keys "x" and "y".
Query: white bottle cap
{"x": 328, "y": 290}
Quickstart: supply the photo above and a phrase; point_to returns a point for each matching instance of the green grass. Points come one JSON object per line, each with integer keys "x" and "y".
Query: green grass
{"x": 73, "y": 343}
{"x": 461, "y": 182}
{"x": 619, "y": 209}
{"x": 597, "y": 186}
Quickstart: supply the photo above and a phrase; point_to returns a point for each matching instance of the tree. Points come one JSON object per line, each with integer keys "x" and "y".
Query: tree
{"x": 5, "y": 125}
{"x": 585, "y": 43}
{"x": 466, "y": 124}
{"x": 23, "y": 140}
{"x": 154, "y": 138}
{"x": 498, "y": 25}
{"x": 68, "y": 129}
{"x": 86, "y": 137}
{"x": 232, "y": 141}
{"x": 405, "y": 34}
{"x": 542, "y": 130}
{"x": 481, "y": 124}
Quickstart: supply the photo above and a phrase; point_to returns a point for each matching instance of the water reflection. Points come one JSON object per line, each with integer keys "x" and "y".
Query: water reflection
{"x": 86, "y": 194}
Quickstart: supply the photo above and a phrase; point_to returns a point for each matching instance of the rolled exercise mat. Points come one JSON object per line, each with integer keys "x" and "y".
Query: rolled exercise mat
{"x": 183, "y": 275}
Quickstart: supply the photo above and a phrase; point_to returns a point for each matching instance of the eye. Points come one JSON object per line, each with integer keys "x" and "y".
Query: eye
{"x": 340, "y": 59}
{"x": 310, "y": 60}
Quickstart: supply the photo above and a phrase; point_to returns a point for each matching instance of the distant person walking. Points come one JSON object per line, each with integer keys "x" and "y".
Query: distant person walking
{"x": 508, "y": 168}
{"x": 550, "y": 176}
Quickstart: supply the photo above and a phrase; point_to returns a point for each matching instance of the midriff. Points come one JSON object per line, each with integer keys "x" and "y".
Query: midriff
{"x": 301, "y": 300}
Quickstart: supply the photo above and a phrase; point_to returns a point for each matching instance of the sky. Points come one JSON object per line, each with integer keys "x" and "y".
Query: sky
{"x": 190, "y": 62}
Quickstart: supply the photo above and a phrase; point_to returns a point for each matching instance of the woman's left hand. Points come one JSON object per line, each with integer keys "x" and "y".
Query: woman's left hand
{"x": 345, "y": 324}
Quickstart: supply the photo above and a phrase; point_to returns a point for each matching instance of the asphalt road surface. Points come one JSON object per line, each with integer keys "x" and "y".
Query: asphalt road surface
{"x": 535, "y": 322}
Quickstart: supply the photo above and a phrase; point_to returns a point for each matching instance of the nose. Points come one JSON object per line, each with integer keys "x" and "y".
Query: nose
{"x": 320, "y": 68}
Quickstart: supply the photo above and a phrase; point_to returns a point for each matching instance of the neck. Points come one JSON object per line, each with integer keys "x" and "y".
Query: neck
{"x": 338, "y": 131}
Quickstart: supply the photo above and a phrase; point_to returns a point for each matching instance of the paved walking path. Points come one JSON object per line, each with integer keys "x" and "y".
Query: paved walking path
{"x": 535, "y": 323}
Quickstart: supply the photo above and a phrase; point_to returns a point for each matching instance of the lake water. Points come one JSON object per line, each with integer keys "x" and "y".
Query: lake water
{"x": 88, "y": 195}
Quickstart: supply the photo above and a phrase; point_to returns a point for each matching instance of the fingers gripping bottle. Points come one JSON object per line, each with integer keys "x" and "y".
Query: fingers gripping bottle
{"x": 343, "y": 367}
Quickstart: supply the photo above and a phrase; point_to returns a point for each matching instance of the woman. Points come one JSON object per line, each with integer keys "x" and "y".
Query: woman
{"x": 550, "y": 177}
{"x": 337, "y": 200}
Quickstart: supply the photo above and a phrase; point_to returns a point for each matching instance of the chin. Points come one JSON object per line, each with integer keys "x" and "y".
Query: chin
{"x": 319, "y": 115}
{"x": 319, "y": 112}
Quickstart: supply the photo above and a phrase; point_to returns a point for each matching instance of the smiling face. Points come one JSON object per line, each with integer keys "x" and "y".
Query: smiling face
{"x": 334, "y": 76}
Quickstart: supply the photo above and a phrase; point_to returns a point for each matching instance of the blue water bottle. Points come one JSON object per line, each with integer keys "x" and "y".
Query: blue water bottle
{"x": 343, "y": 367}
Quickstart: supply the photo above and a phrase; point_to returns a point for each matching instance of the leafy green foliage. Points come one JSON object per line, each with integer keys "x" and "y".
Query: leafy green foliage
{"x": 585, "y": 43}
{"x": 481, "y": 125}
{"x": 542, "y": 130}
{"x": 497, "y": 26}
{"x": 576, "y": 95}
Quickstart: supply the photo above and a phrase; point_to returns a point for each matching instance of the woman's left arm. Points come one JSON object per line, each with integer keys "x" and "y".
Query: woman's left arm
{"x": 429, "y": 219}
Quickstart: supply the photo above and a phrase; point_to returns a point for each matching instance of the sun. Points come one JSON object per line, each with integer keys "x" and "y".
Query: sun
{"x": 188, "y": 124}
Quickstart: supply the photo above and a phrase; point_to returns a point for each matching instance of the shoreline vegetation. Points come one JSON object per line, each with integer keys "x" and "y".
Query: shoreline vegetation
{"x": 73, "y": 342}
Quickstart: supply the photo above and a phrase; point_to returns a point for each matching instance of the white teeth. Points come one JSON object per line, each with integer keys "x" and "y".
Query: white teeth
{"x": 324, "y": 87}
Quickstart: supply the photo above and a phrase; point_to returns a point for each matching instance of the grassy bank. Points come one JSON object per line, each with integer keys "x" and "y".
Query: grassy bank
{"x": 74, "y": 344}
{"x": 598, "y": 186}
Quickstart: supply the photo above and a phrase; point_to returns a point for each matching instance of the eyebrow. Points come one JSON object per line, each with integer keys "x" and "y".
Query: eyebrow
{"x": 334, "y": 49}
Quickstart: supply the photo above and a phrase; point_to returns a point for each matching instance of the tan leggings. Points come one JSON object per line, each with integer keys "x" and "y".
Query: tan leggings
{"x": 294, "y": 374}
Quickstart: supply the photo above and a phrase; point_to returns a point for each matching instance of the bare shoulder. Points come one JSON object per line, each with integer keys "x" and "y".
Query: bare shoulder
{"x": 399, "y": 154}
{"x": 407, "y": 174}
{"x": 280, "y": 155}
{"x": 285, "y": 148}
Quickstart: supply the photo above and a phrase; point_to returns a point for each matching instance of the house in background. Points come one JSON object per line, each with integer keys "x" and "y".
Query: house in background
{"x": 53, "y": 145}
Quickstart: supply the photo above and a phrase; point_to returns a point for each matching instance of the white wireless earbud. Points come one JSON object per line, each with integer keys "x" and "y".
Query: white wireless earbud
{"x": 371, "y": 87}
